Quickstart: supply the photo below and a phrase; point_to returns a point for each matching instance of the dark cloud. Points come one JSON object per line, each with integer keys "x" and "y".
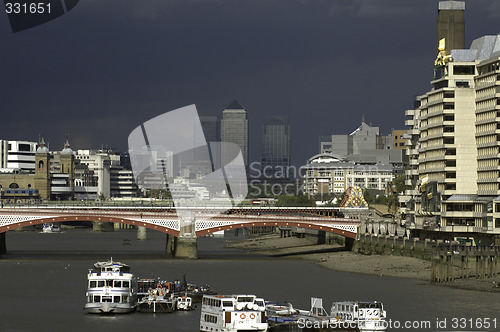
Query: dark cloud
{"x": 107, "y": 66}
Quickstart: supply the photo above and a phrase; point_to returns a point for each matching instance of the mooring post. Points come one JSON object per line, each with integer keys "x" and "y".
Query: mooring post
{"x": 3, "y": 245}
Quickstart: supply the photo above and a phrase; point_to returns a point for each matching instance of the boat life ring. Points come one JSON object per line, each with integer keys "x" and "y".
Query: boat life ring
{"x": 252, "y": 315}
{"x": 243, "y": 316}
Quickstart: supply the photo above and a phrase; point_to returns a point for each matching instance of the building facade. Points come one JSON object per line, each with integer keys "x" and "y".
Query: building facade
{"x": 329, "y": 173}
{"x": 275, "y": 146}
{"x": 366, "y": 145}
{"x": 453, "y": 145}
{"x": 234, "y": 129}
{"x": 18, "y": 155}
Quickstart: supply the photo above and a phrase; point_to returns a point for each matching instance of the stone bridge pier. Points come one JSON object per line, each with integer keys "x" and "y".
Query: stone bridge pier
{"x": 185, "y": 245}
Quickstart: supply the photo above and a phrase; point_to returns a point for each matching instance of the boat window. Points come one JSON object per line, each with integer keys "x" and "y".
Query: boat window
{"x": 100, "y": 283}
{"x": 126, "y": 284}
{"x": 93, "y": 284}
{"x": 107, "y": 299}
{"x": 97, "y": 298}
{"x": 125, "y": 298}
{"x": 109, "y": 283}
{"x": 116, "y": 299}
{"x": 245, "y": 299}
{"x": 227, "y": 303}
{"x": 259, "y": 303}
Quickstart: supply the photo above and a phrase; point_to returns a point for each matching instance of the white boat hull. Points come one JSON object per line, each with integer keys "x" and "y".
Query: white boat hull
{"x": 109, "y": 308}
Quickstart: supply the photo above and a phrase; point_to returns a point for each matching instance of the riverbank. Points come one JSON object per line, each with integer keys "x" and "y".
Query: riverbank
{"x": 335, "y": 257}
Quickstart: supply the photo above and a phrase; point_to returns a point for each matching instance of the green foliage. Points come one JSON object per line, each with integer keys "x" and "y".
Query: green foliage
{"x": 369, "y": 198}
{"x": 400, "y": 185}
{"x": 289, "y": 200}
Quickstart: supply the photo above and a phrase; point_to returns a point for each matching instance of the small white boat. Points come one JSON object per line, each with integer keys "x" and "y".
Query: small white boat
{"x": 51, "y": 228}
{"x": 368, "y": 316}
{"x": 110, "y": 288}
{"x": 232, "y": 313}
{"x": 184, "y": 303}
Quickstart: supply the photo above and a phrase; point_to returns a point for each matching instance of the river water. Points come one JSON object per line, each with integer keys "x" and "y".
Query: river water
{"x": 43, "y": 284}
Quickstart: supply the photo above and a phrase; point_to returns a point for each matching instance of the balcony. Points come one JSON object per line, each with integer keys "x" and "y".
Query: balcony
{"x": 409, "y": 123}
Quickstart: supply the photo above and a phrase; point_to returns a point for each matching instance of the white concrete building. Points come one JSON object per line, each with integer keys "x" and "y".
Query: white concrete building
{"x": 18, "y": 155}
{"x": 328, "y": 173}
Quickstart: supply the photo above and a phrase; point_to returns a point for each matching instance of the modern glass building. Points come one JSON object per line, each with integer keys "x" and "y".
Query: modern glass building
{"x": 275, "y": 146}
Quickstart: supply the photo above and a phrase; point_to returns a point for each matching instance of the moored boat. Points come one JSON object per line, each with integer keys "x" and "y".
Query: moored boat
{"x": 184, "y": 303}
{"x": 368, "y": 316}
{"x": 51, "y": 228}
{"x": 110, "y": 288}
{"x": 232, "y": 313}
{"x": 155, "y": 299}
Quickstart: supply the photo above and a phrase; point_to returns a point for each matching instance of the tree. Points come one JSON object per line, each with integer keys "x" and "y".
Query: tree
{"x": 289, "y": 200}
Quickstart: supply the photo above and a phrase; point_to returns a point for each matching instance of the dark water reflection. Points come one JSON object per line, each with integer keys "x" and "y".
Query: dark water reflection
{"x": 43, "y": 283}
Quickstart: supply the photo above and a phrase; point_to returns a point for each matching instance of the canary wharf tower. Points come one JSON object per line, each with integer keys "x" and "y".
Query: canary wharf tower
{"x": 234, "y": 128}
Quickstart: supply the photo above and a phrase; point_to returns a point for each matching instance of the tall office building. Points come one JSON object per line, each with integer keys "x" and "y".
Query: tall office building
{"x": 211, "y": 128}
{"x": 275, "y": 146}
{"x": 234, "y": 129}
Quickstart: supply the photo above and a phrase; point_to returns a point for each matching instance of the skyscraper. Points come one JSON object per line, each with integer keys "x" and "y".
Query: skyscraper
{"x": 211, "y": 128}
{"x": 234, "y": 129}
{"x": 275, "y": 146}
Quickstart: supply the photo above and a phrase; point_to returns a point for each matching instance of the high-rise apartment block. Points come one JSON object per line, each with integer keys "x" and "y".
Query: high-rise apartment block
{"x": 453, "y": 147}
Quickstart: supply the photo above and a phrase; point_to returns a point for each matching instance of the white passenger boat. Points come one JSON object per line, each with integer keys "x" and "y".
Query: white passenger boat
{"x": 368, "y": 316}
{"x": 51, "y": 228}
{"x": 232, "y": 313}
{"x": 110, "y": 288}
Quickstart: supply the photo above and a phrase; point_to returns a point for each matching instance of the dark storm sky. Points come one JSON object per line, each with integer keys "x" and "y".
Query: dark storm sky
{"x": 99, "y": 71}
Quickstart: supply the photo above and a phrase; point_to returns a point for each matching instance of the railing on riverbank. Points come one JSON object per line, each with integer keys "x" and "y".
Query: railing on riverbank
{"x": 448, "y": 257}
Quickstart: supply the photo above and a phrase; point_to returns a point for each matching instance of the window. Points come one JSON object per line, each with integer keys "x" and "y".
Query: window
{"x": 93, "y": 284}
{"x": 463, "y": 70}
{"x": 24, "y": 147}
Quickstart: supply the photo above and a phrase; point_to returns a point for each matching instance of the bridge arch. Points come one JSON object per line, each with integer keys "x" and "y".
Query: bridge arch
{"x": 349, "y": 231}
{"x": 102, "y": 218}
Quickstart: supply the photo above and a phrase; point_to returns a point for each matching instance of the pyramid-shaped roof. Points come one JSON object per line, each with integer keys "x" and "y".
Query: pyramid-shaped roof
{"x": 235, "y": 105}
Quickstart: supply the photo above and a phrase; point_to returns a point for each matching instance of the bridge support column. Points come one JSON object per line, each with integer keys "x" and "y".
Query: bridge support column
{"x": 186, "y": 248}
{"x": 3, "y": 246}
{"x": 102, "y": 226}
{"x": 349, "y": 243}
{"x": 141, "y": 233}
{"x": 171, "y": 245}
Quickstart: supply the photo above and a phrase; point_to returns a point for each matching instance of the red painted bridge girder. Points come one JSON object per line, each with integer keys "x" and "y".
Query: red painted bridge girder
{"x": 237, "y": 221}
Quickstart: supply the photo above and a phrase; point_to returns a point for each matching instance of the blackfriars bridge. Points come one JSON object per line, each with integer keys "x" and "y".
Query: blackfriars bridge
{"x": 183, "y": 231}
